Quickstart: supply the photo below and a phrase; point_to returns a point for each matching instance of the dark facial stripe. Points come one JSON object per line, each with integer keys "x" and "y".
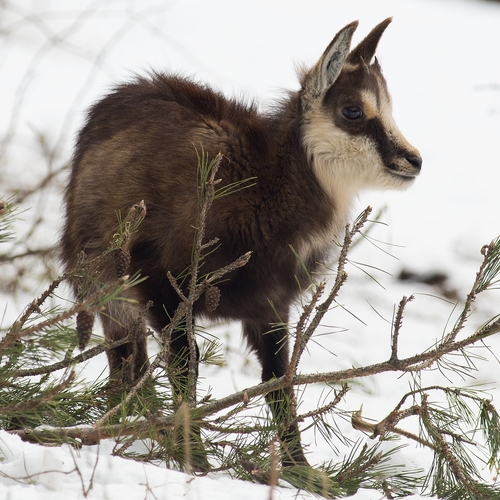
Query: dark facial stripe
{"x": 388, "y": 149}
{"x": 349, "y": 90}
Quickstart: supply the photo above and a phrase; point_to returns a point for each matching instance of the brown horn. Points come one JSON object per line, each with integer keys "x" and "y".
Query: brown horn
{"x": 365, "y": 50}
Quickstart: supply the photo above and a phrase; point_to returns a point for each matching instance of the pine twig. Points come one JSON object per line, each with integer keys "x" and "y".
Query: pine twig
{"x": 300, "y": 339}
{"x": 442, "y": 448}
{"x": 36, "y": 402}
{"x": 326, "y": 408}
{"x": 303, "y": 336}
{"x": 398, "y": 323}
{"x": 80, "y": 358}
{"x": 207, "y": 198}
{"x": 166, "y": 333}
{"x": 487, "y": 252}
{"x": 16, "y": 332}
{"x": 382, "y": 428}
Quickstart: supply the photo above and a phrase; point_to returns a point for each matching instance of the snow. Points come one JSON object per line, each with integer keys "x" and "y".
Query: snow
{"x": 440, "y": 61}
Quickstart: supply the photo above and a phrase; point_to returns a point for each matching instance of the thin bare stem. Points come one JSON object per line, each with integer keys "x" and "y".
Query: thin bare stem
{"x": 90, "y": 303}
{"x": 398, "y": 323}
{"x": 35, "y": 402}
{"x": 300, "y": 341}
{"x": 326, "y": 408}
{"x": 471, "y": 296}
{"x": 360, "y": 424}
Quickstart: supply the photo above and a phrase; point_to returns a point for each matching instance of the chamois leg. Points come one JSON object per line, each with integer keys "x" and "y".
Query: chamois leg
{"x": 196, "y": 455}
{"x": 129, "y": 361}
{"x": 271, "y": 348}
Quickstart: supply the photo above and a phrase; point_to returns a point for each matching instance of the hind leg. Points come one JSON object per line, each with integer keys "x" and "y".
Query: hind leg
{"x": 271, "y": 348}
{"x": 128, "y": 362}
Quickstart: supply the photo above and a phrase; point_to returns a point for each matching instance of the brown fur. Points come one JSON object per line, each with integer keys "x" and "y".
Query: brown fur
{"x": 140, "y": 143}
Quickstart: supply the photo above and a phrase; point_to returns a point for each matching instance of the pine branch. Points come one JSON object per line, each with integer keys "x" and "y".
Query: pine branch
{"x": 176, "y": 319}
{"x": 488, "y": 270}
{"x": 325, "y": 408}
{"x": 398, "y": 323}
{"x": 36, "y": 402}
{"x": 92, "y": 303}
{"x": 388, "y": 425}
{"x": 80, "y": 358}
{"x": 302, "y": 334}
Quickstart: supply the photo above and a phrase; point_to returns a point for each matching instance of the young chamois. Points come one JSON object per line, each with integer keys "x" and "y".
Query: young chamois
{"x": 308, "y": 159}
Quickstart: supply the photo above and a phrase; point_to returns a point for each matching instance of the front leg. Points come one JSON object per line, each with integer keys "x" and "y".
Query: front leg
{"x": 271, "y": 347}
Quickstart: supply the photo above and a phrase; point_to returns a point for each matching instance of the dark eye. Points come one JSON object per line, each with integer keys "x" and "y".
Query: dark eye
{"x": 352, "y": 112}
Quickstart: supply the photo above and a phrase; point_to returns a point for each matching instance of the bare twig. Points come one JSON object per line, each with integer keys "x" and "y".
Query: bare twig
{"x": 326, "y": 408}
{"x": 90, "y": 303}
{"x": 362, "y": 425}
{"x": 302, "y": 335}
{"x": 486, "y": 251}
{"x": 300, "y": 340}
{"x": 35, "y": 402}
{"x": 398, "y": 322}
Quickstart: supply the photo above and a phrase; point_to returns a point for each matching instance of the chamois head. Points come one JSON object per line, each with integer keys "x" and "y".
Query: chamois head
{"x": 349, "y": 134}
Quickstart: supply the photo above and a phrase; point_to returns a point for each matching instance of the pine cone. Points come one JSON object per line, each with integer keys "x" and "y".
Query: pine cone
{"x": 212, "y": 298}
{"x": 122, "y": 261}
{"x": 84, "y": 324}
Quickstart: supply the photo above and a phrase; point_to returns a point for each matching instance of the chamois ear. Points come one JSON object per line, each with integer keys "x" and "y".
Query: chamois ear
{"x": 324, "y": 73}
{"x": 365, "y": 50}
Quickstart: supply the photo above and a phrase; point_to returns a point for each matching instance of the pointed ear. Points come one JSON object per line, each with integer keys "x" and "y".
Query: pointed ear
{"x": 327, "y": 69}
{"x": 365, "y": 51}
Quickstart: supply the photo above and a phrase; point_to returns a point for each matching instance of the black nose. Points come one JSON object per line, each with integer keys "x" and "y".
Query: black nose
{"x": 415, "y": 161}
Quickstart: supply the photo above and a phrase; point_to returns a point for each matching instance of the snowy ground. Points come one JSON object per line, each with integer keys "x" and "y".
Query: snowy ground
{"x": 440, "y": 58}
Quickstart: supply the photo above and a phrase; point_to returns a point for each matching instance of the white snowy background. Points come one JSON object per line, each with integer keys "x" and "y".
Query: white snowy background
{"x": 441, "y": 60}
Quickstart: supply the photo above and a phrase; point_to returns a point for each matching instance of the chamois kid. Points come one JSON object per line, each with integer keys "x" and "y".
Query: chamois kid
{"x": 308, "y": 158}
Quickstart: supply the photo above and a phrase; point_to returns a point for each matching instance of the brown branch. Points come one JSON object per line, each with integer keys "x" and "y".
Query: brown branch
{"x": 28, "y": 253}
{"x": 398, "y": 323}
{"x": 141, "y": 428}
{"x": 243, "y": 396}
{"x": 403, "y": 365}
{"x": 35, "y": 402}
{"x": 166, "y": 333}
{"x": 443, "y": 449}
{"x": 21, "y": 195}
{"x": 300, "y": 339}
{"x": 16, "y": 332}
{"x": 301, "y": 336}
{"x": 33, "y": 307}
{"x": 326, "y": 408}
{"x": 341, "y": 276}
{"x": 175, "y": 286}
{"x": 471, "y": 296}
{"x": 360, "y": 424}
{"x": 207, "y": 198}
{"x": 80, "y": 358}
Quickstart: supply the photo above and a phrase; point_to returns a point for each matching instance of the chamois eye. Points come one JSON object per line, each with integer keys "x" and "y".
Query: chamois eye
{"x": 352, "y": 112}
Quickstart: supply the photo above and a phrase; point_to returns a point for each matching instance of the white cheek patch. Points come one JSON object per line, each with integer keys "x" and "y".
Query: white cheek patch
{"x": 339, "y": 163}
{"x": 344, "y": 165}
